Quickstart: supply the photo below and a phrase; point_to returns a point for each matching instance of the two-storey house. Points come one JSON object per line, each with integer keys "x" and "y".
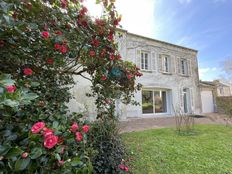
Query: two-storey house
{"x": 170, "y": 77}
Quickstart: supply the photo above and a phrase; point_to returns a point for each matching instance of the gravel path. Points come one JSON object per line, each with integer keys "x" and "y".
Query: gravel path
{"x": 140, "y": 124}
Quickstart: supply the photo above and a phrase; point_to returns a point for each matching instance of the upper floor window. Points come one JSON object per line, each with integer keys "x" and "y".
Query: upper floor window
{"x": 144, "y": 60}
{"x": 184, "y": 66}
{"x": 166, "y": 64}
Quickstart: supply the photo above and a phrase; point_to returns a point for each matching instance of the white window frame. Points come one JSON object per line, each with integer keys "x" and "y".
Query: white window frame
{"x": 153, "y": 98}
{"x": 166, "y": 64}
{"x": 145, "y": 62}
{"x": 184, "y": 67}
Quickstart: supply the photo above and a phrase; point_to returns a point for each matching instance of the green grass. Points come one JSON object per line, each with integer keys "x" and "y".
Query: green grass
{"x": 163, "y": 151}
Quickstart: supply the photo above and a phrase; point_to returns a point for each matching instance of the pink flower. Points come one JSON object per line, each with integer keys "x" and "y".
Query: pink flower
{"x": 10, "y": 89}
{"x": 47, "y": 132}
{"x": 45, "y": 34}
{"x": 103, "y": 78}
{"x": 129, "y": 76}
{"x": 119, "y": 57}
{"x": 92, "y": 53}
{"x": 83, "y": 11}
{"x": 85, "y": 128}
{"x": 74, "y": 127}
{"x": 50, "y": 61}
{"x": 95, "y": 43}
{"x": 24, "y": 155}
{"x": 58, "y": 32}
{"x": 63, "y": 49}
{"x": 60, "y": 162}
{"x": 50, "y": 141}
{"x": 111, "y": 57}
{"x": 37, "y": 127}
{"x": 57, "y": 46}
{"x": 121, "y": 166}
{"x": 126, "y": 169}
{"x": 27, "y": 71}
{"x": 62, "y": 151}
{"x": 79, "y": 136}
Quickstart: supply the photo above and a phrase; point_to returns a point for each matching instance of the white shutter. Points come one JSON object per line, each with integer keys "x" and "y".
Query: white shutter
{"x": 181, "y": 102}
{"x": 153, "y": 61}
{"x": 178, "y": 66}
{"x": 189, "y": 62}
{"x": 192, "y": 99}
{"x": 160, "y": 63}
{"x": 138, "y": 58}
{"x": 173, "y": 65}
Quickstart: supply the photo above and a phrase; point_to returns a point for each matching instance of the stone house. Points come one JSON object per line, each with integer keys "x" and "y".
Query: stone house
{"x": 222, "y": 89}
{"x": 170, "y": 79}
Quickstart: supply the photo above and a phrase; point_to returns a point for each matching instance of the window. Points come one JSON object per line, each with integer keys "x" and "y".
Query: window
{"x": 184, "y": 66}
{"x": 154, "y": 101}
{"x": 166, "y": 64}
{"x": 186, "y": 100}
{"x": 144, "y": 61}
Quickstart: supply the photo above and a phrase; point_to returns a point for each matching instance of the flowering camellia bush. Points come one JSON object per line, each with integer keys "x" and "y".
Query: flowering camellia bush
{"x": 43, "y": 44}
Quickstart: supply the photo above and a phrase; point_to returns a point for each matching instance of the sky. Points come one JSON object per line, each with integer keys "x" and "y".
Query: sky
{"x": 204, "y": 25}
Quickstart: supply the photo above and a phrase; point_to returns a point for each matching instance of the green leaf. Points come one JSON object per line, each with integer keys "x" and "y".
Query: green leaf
{"x": 35, "y": 84}
{"x": 4, "y": 149}
{"x": 7, "y": 82}
{"x": 11, "y": 103}
{"x": 57, "y": 156}
{"x": 55, "y": 124}
{"x": 76, "y": 161}
{"x": 13, "y": 153}
{"x": 36, "y": 153}
{"x": 22, "y": 164}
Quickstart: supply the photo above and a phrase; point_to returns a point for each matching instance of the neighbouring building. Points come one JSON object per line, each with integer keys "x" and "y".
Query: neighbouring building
{"x": 170, "y": 79}
{"x": 223, "y": 89}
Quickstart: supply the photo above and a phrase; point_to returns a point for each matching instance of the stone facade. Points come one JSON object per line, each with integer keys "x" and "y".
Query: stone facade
{"x": 170, "y": 85}
{"x": 131, "y": 46}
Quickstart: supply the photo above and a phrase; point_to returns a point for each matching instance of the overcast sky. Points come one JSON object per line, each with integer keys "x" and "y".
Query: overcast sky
{"x": 204, "y": 25}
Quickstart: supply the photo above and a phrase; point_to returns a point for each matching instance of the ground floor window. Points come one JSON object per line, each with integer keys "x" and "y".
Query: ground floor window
{"x": 154, "y": 101}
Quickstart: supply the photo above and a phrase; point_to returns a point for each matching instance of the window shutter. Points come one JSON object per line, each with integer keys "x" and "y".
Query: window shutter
{"x": 178, "y": 65}
{"x": 160, "y": 63}
{"x": 138, "y": 58}
{"x": 153, "y": 61}
{"x": 173, "y": 69}
{"x": 189, "y": 67}
{"x": 181, "y": 102}
{"x": 192, "y": 100}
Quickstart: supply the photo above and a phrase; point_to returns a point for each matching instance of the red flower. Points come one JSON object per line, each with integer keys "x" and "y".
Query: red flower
{"x": 63, "y": 49}
{"x": 92, "y": 53}
{"x": 27, "y": 71}
{"x": 47, "y": 132}
{"x": 74, "y": 127}
{"x": 11, "y": 89}
{"x": 79, "y": 136}
{"x": 50, "y": 141}
{"x": 116, "y": 22}
{"x": 50, "y": 61}
{"x": 2, "y": 43}
{"x": 121, "y": 166}
{"x": 85, "y": 128}
{"x": 24, "y": 155}
{"x": 119, "y": 57}
{"x": 129, "y": 76}
{"x": 45, "y": 34}
{"x": 126, "y": 169}
{"x": 103, "y": 52}
{"x": 138, "y": 74}
{"x": 57, "y": 46}
{"x": 60, "y": 162}
{"x": 104, "y": 78}
{"x": 111, "y": 57}
{"x": 110, "y": 37}
{"x": 83, "y": 11}
{"x": 95, "y": 43}
{"x": 37, "y": 127}
{"x": 58, "y": 32}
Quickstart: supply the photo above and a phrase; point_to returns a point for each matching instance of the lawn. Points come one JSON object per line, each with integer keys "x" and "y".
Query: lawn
{"x": 163, "y": 151}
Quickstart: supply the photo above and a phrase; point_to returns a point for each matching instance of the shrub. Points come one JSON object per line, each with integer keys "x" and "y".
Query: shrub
{"x": 224, "y": 106}
{"x": 110, "y": 150}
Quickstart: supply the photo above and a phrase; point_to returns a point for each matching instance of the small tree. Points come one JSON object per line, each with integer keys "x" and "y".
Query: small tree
{"x": 44, "y": 43}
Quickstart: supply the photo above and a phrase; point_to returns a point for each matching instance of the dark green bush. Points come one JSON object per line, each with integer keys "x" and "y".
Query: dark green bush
{"x": 109, "y": 146}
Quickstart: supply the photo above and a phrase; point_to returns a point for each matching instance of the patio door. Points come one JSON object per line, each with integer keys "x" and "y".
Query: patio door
{"x": 186, "y": 100}
{"x": 154, "y": 101}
